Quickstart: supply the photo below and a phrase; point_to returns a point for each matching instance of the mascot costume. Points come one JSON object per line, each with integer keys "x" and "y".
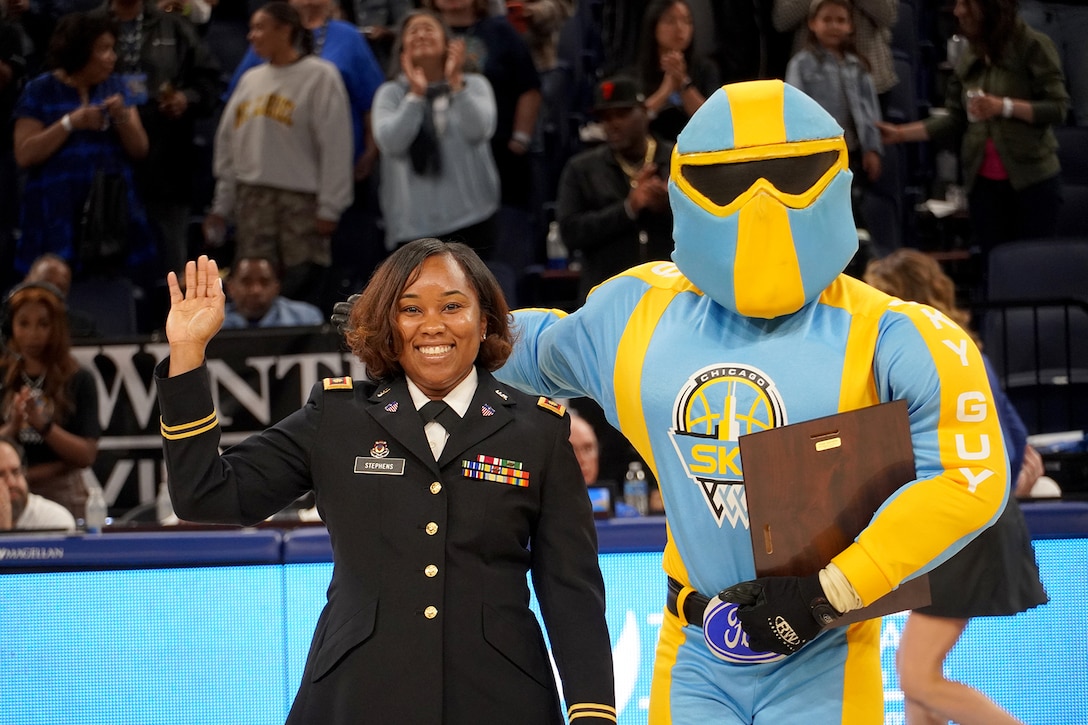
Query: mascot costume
{"x": 753, "y": 326}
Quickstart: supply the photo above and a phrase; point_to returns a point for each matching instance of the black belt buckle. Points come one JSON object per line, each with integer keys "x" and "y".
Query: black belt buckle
{"x": 694, "y": 605}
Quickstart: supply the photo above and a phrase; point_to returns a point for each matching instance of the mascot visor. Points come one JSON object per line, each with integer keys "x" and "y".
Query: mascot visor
{"x": 795, "y": 173}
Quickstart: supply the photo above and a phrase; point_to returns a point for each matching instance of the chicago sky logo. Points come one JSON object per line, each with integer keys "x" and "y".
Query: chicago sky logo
{"x": 717, "y": 405}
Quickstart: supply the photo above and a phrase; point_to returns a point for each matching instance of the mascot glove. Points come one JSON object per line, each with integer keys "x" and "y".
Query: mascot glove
{"x": 781, "y": 613}
{"x": 341, "y": 311}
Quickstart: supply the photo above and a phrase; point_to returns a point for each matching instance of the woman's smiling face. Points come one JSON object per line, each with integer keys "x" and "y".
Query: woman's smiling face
{"x": 439, "y": 326}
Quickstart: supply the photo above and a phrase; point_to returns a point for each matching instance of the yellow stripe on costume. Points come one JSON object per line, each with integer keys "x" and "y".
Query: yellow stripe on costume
{"x": 766, "y": 274}
{"x": 627, "y": 377}
{"x": 857, "y": 389}
{"x": 666, "y": 283}
{"x": 763, "y": 121}
{"x": 668, "y": 645}
{"x": 343, "y": 383}
{"x": 972, "y": 485}
{"x": 863, "y": 685}
{"x": 188, "y": 430}
{"x": 591, "y": 709}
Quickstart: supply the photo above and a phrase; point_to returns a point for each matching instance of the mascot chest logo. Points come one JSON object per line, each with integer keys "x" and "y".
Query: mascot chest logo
{"x": 717, "y": 405}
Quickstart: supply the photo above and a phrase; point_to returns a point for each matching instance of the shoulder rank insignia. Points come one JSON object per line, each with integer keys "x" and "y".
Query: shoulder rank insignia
{"x": 550, "y": 405}
{"x": 337, "y": 383}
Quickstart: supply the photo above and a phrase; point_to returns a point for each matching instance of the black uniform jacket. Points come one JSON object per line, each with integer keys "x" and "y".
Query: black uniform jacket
{"x": 427, "y": 619}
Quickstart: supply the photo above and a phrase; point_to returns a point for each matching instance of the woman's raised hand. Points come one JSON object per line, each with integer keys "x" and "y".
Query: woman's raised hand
{"x": 195, "y": 315}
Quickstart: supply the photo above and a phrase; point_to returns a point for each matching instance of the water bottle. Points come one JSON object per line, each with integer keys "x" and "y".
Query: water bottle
{"x": 556, "y": 250}
{"x": 95, "y": 517}
{"x": 636, "y": 492}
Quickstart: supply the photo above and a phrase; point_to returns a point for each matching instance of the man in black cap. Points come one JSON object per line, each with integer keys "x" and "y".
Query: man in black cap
{"x": 613, "y": 201}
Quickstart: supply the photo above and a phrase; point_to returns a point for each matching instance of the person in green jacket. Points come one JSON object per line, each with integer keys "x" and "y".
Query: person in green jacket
{"x": 1006, "y": 92}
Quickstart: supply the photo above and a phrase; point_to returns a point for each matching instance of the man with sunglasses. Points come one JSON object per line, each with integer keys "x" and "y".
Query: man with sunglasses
{"x": 753, "y": 326}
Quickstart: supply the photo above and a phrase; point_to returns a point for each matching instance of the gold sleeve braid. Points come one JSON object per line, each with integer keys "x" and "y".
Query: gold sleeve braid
{"x": 591, "y": 709}
{"x": 188, "y": 430}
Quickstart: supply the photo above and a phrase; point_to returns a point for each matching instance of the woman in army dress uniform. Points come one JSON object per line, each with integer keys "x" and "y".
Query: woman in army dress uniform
{"x": 434, "y": 525}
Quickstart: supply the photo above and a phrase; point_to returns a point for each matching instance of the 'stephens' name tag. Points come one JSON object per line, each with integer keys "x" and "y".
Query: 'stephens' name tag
{"x": 381, "y": 466}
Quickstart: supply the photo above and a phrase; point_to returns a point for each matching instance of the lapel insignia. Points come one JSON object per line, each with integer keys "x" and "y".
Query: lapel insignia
{"x": 551, "y": 406}
{"x": 383, "y": 392}
{"x": 487, "y": 411}
{"x": 502, "y": 395}
{"x": 392, "y": 407}
{"x": 380, "y": 449}
{"x": 498, "y": 470}
{"x": 337, "y": 383}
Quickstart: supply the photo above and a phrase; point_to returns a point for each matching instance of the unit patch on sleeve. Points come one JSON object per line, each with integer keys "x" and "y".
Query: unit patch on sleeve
{"x": 550, "y": 405}
{"x": 337, "y": 383}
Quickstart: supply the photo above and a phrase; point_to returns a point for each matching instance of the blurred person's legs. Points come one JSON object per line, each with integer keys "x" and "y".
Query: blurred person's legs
{"x": 1066, "y": 25}
{"x": 280, "y": 225}
{"x": 930, "y": 698}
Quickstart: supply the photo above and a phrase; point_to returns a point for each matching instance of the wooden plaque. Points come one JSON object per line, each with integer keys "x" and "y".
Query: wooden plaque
{"x": 813, "y": 486}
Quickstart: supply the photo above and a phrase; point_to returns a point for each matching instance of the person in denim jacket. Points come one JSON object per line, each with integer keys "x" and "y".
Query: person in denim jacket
{"x": 829, "y": 70}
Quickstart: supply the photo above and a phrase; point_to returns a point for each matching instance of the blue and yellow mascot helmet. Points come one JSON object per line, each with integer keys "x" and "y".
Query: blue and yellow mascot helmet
{"x": 760, "y": 194}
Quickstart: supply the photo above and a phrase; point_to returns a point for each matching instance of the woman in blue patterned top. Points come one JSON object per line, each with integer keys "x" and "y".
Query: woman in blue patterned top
{"x": 69, "y": 122}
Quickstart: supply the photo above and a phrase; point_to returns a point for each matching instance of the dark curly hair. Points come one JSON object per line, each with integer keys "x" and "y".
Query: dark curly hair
{"x": 372, "y": 333}
{"x": 73, "y": 40}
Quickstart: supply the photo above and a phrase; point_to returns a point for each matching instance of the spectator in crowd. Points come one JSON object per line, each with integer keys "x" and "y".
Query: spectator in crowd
{"x": 283, "y": 155}
{"x": 49, "y": 402}
{"x": 28, "y": 511}
{"x": 13, "y": 70}
{"x": 428, "y": 616}
{"x": 253, "y": 288}
{"x": 1066, "y": 24}
{"x": 341, "y": 44}
{"x": 172, "y": 79}
{"x": 613, "y": 202}
{"x": 378, "y": 21}
{"x": 829, "y": 71}
{"x": 54, "y": 270}
{"x": 69, "y": 123}
{"x": 1003, "y": 96}
{"x": 356, "y": 246}
{"x": 872, "y": 23}
{"x": 675, "y": 79}
{"x": 586, "y": 448}
{"x": 433, "y": 123}
{"x": 995, "y": 574}
{"x": 539, "y": 22}
{"x": 494, "y": 48}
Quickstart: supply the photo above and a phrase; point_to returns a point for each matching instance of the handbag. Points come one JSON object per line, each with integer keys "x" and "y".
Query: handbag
{"x": 103, "y": 229}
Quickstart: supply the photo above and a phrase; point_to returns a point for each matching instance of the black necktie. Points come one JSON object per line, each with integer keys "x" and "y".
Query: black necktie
{"x": 440, "y": 411}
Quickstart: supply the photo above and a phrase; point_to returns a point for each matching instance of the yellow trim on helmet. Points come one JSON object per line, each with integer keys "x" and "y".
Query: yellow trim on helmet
{"x": 792, "y": 149}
